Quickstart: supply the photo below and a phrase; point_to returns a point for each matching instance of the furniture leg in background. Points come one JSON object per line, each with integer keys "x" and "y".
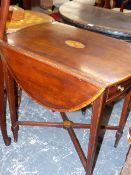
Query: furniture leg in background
{"x": 26, "y": 4}
{"x": 46, "y": 4}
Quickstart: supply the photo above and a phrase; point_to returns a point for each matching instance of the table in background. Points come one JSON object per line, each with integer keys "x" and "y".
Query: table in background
{"x": 115, "y": 24}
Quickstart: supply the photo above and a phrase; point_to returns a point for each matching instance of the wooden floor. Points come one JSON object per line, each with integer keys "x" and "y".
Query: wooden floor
{"x": 127, "y": 166}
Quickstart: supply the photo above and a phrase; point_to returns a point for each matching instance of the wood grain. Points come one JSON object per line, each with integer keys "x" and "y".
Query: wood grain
{"x": 65, "y": 78}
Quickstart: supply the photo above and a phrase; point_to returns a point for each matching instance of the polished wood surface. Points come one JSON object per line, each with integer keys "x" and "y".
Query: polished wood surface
{"x": 58, "y": 86}
{"x": 92, "y": 67}
{"x": 96, "y": 19}
{"x": 65, "y": 68}
{"x": 92, "y": 63}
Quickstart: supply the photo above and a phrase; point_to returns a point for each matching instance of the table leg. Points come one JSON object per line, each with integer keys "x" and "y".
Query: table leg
{"x": 104, "y": 122}
{"x": 97, "y": 112}
{"x": 18, "y": 94}
{"x": 10, "y": 85}
{"x": 123, "y": 119}
{"x": 7, "y": 140}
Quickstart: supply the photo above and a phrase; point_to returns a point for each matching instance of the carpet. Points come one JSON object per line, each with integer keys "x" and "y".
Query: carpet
{"x": 49, "y": 151}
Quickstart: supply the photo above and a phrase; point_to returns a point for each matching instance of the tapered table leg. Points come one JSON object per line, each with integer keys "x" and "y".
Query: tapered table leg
{"x": 7, "y": 140}
{"x": 124, "y": 115}
{"x": 106, "y": 114}
{"x": 10, "y": 85}
{"x": 18, "y": 94}
{"x": 97, "y": 112}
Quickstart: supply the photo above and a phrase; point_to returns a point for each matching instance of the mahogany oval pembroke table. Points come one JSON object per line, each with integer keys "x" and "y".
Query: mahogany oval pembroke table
{"x": 56, "y": 64}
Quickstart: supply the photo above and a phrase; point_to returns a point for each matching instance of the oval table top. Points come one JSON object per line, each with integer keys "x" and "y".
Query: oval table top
{"x": 73, "y": 67}
{"x": 97, "y": 19}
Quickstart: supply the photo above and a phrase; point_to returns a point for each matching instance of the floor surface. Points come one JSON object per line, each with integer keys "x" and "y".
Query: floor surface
{"x": 49, "y": 151}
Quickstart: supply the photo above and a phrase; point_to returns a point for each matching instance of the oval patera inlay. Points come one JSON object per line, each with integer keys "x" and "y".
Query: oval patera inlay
{"x": 75, "y": 44}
